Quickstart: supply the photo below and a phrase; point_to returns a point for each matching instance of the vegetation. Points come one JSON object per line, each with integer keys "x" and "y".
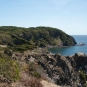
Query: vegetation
{"x": 33, "y": 70}
{"x": 21, "y": 39}
{"x": 9, "y": 69}
{"x": 13, "y": 70}
{"x": 32, "y": 82}
{"x": 82, "y": 77}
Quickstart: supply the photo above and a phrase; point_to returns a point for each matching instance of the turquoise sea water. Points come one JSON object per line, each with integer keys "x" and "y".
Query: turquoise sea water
{"x": 73, "y": 49}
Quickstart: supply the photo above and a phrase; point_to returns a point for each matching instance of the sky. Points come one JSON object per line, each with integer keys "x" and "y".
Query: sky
{"x": 68, "y": 15}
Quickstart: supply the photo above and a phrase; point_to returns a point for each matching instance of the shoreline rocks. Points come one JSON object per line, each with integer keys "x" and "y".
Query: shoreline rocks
{"x": 62, "y": 70}
{"x": 81, "y": 44}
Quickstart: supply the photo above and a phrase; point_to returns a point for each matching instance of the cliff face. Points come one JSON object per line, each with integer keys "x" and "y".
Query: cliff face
{"x": 39, "y": 36}
{"x": 62, "y": 70}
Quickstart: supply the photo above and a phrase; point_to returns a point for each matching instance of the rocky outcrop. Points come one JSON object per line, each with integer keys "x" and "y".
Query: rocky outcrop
{"x": 62, "y": 70}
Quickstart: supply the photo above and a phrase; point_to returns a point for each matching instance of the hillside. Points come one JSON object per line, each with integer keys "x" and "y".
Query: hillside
{"x": 32, "y": 37}
{"x": 38, "y": 67}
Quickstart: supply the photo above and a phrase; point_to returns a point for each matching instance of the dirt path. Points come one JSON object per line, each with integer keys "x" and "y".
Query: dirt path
{"x": 3, "y": 46}
{"x": 48, "y": 84}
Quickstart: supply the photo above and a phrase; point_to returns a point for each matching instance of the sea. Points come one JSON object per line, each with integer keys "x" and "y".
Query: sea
{"x": 68, "y": 51}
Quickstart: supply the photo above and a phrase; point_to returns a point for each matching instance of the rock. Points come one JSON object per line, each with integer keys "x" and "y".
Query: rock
{"x": 80, "y": 44}
{"x": 62, "y": 70}
{"x": 81, "y": 54}
{"x": 3, "y": 79}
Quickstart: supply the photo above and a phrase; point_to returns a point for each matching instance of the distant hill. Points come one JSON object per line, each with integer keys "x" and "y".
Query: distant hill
{"x": 34, "y": 36}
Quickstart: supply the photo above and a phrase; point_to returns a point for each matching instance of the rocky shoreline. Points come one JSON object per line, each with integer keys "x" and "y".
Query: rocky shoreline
{"x": 59, "y": 46}
{"x": 58, "y": 69}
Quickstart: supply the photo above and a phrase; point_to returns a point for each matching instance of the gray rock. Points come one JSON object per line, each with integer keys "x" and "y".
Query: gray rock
{"x": 60, "y": 69}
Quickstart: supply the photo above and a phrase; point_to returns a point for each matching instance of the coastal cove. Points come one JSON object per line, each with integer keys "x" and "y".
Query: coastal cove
{"x": 72, "y": 49}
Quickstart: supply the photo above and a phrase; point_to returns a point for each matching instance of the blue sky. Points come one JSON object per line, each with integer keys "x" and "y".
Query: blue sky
{"x": 67, "y": 15}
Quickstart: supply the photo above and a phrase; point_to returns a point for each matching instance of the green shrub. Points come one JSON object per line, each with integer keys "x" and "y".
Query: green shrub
{"x": 37, "y": 75}
{"x": 22, "y": 48}
{"x": 9, "y": 69}
{"x": 82, "y": 76}
{"x": 33, "y": 70}
{"x": 8, "y": 51}
{"x": 31, "y": 67}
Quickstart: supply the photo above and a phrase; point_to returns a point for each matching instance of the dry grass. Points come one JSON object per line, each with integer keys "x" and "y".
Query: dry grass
{"x": 30, "y": 81}
{"x": 33, "y": 82}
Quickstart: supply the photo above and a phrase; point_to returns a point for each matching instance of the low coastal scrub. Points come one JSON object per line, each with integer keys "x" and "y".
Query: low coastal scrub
{"x": 32, "y": 82}
{"x": 9, "y": 69}
{"x": 34, "y": 36}
{"x": 32, "y": 70}
{"x": 30, "y": 77}
{"x": 82, "y": 77}
{"x": 22, "y": 48}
